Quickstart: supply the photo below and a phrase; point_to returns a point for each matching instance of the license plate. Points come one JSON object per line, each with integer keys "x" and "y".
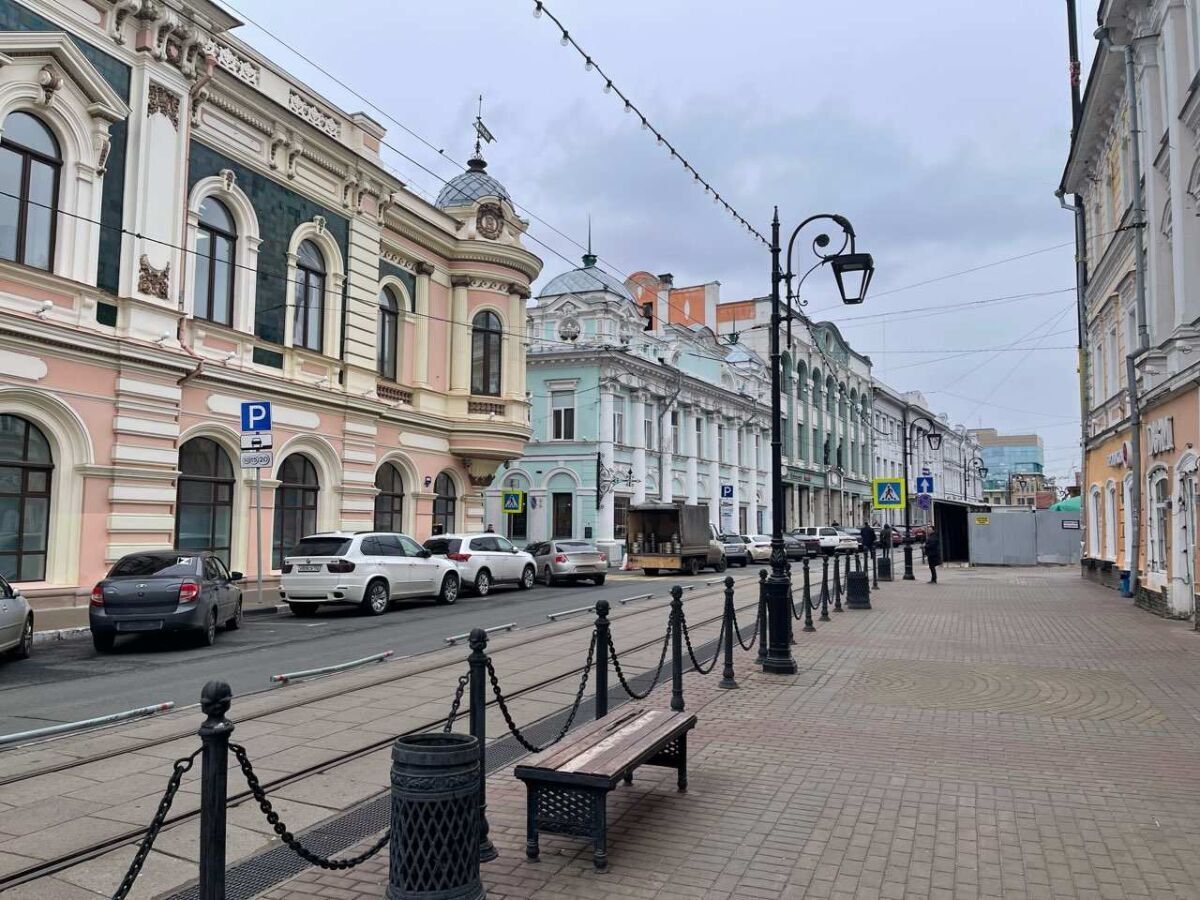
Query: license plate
{"x": 308, "y": 568}
{"x": 139, "y": 626}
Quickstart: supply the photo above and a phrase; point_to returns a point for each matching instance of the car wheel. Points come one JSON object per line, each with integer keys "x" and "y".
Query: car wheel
{"x": 527, "y": 577}
{"x": 236, "y": 622}
{"x": 548, "y": 577}
{"x": 721, "y": 566}
{"x": 208, "y": 636}
{"x": 599, "y": 580}
{"x": 449, "y": 590}
{"x": 303, "y": 610}
{"x": 483, "y": 583}
{"x": 103, "y": 641}
{"x": 26, "y": 646}
{"x": 376, "y": 600}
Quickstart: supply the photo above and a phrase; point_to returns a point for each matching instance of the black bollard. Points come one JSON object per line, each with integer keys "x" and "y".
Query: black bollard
{"x": 837, "y": 583}
{"x": 727, "y": 679}
{"x": 762, "y": 615}
{"x": 478, "y": 663}
{"x": 602, "y": 631}
{"x": 214, "y": 736}
{"x": 434, "y": 845}
{"x": 874, "y": 570}
{"x": 677, "y": 648}
{"x": 808, "y": 622}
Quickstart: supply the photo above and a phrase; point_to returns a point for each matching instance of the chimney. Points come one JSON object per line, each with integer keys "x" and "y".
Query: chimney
{"x": 667, "y": 278}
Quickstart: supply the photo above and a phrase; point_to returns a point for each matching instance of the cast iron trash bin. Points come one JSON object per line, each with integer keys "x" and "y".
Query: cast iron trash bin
{"x": 858, "y": 590}
{"x": 434, "y": 852}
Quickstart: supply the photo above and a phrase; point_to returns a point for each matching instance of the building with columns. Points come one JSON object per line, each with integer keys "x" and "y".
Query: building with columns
{"x": 633, "y": 398}
{"x": 827, "y": 438}
{"x": 189, "y": 227}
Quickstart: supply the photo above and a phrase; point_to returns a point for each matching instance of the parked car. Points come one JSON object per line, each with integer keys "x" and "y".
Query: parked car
{"x": 759, "y": 546}
{"x": 367, "y": 570}
{"x": 855, "y": 535}
{"x": 484, "y": 560}
{"x": 16, "y": 622}
{"x": 572, "y": 561}
{"x": 809, "y": 541}
{"x": 165, "y": 590}
{"x": 736, "y": 552}
{"x": 831, "y": 539}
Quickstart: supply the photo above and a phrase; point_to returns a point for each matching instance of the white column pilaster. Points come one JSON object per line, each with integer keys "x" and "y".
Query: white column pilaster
{"x": 687, "y": 423}
{"x": 714, "y": 447}
{"x": 460, "y": 337}
{"x": 604, "y": 516}
{"x": 637, "y": 435}
{"x": 421, "y": 338}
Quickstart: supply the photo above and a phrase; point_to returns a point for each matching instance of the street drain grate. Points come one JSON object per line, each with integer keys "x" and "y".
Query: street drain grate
{"x": 261, "y": 872}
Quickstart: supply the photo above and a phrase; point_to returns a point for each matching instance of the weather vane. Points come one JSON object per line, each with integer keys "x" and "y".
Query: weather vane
{"x": 481, "y": 131}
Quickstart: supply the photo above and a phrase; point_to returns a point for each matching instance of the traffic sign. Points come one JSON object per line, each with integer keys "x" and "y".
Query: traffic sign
{"x": 512, "y": 502}
{"x": 887, "y": 493}
{"x": 924, "y": 501}
{"x": 256, "y": 416}
{"x": 924, "y": 484}
{"x": 726, "y": 491}
{"x": 257, "y": 440}
{"x": 257, "y": 459}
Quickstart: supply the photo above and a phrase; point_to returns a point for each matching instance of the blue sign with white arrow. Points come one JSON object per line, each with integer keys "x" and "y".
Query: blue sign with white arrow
{"x": 924, "y": 484}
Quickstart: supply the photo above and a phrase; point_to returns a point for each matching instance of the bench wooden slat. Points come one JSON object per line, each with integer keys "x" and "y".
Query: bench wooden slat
{"x": 606, "y": 748}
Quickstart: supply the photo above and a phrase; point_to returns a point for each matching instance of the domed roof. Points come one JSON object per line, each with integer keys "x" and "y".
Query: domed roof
{"x": 466, "y": 188}
{"x": 585, "y": 280}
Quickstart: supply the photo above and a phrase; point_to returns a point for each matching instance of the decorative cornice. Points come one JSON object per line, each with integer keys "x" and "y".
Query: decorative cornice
{"x": 238, "y": 66}
{"x": 163, "y": 102}
{"x": 403, "y": 262}
{"x": 227, "y": 104}
{"x": 424, "y": 268}
{"x": 520, "y": 290}
{"x": 488, "y": 284}
{"x": 313, "y": 114}
{"x": 460, "y": 281}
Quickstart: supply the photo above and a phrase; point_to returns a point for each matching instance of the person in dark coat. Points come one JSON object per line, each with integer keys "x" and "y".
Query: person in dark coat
{"x": 868, "y": 537}
{"x": 886, "y": 536}
{"x": 933, "y": 553}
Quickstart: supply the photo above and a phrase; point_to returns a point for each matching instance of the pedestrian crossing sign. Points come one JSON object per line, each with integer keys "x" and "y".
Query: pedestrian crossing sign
{"x": 513, "y": 502}
{"x": 888, "y": 493}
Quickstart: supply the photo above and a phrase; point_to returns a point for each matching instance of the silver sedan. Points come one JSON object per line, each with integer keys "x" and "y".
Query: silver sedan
{"x": 559, "y": 561}
{"x": 16, "y": 622}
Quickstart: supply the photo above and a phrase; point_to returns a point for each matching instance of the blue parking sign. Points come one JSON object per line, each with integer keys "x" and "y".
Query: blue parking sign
{"x": 256, "y": 416}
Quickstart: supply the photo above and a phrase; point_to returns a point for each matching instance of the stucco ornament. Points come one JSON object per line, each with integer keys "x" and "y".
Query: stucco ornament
{"x": 569, "y": 329}
{"x": 490, "y": 220}
{"x": 152, "y": 281}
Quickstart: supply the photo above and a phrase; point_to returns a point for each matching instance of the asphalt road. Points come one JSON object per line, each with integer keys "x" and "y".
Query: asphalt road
{"x": 68, "y": 681}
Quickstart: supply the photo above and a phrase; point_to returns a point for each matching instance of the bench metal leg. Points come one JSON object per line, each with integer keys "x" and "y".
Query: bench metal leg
{"x": 600, "y": 836}
{"x": 629, "y": 777}
{"x": 681, "y": 771}
{"x": 532, "y": 851}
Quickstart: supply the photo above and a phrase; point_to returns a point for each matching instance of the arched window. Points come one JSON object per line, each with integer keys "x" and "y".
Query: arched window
{"x": 802, "y": 382}
{"x": 389, "y": 328}
{"x": 29, "y": 165}
{"x": 204, "y": 498}
{"x": 310, "y": 297}
{"x": 485, "y": 354}
{"x": 1110, "y": 521}
{"x": 216, "y": 241}
{"x": 444, "y": 505}
{"x": 389, "y": 502}
{"x": 1159, "y": 516}
{"x": 295, "y": 505}
{"x": 25, "y": 468}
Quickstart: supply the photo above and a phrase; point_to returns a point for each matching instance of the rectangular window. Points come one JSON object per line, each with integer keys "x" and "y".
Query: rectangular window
{"x": 620, "y": 516}
{"x": 562, "y": 404}
{"x": 673, "y": 438}
{"x": 740, "y": 453}
{"x": 1110, "y": 354}
{"x": 619, "y": 420}
{"x": 721, "y": 449}
{"x": 699, "y": 437}
{"x": 648, "y": 426}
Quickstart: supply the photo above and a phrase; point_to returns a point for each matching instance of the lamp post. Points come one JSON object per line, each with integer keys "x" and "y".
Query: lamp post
{"x": 934, "y": 439}
{"x": 981, "y": 470}
{"x": 852, "y": 271}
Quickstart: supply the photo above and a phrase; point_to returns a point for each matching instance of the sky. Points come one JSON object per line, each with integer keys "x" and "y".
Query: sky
{"x": 938, "y": 127}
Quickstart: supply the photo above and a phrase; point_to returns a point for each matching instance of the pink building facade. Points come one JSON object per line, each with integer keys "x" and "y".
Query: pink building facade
{"x": 184, "y": 227}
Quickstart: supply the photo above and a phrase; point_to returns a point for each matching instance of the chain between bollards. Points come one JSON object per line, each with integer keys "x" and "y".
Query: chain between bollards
{"x": 728, "y": 681}
{"x": 677, "y": 649}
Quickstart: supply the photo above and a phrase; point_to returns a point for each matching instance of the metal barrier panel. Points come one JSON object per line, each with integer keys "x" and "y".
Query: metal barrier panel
{"x": 1003, "y": 538}
{"x": 1059, "y": 536}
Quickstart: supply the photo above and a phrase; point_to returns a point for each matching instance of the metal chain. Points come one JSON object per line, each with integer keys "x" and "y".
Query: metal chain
{"x": 662, "y": 658}
{"x": 281, "y": 829}
{"x": 508, "y": 719}
{"x": 463, "y": 681}
{"x": 792, "y": 601}
{"x": 738, "y": 632}
{"x": 181, "y": 768}
{"x": 687, "y": 639}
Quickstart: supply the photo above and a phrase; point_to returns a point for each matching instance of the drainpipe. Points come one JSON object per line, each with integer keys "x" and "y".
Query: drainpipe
{"x": 1139, "y": 263}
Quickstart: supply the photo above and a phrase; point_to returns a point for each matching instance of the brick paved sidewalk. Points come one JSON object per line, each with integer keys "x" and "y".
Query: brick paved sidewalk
{"x": 1008, "y": 734}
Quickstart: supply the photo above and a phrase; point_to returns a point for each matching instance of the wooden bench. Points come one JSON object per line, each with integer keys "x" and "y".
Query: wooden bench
{"x": 568, "y": 784}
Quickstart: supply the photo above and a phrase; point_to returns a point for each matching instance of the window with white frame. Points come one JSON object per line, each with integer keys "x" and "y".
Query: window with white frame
{"x": 721, "y": 448}
{"x": 1110, "y": 522}
{"x": 699, "y": 436}
{"x": 740, "y": 459}
{"x": 619, "y": 420}
{"x": 648, "y": 427}
{"x": 562, "y": 411}
{"x": 672, "y": 442}
{"x": 1159, "y": 518}
{"x": 1093, "y": 522}
{"x": 1110, "y": 362}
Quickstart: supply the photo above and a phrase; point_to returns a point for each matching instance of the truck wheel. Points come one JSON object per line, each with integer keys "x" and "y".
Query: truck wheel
{"x": 721, "y": 566}
{"x": 693, "y": 566}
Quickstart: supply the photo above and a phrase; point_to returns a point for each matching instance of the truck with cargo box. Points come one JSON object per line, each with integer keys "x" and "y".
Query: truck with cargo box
{"x": 672, "y": 537}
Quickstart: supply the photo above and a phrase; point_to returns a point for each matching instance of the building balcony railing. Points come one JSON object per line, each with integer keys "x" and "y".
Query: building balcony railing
{"x": 485, "y": 408}
{"x": 390, "y": 393}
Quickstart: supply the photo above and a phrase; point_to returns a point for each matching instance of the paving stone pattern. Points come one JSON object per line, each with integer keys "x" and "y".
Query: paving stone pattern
{"x": 1003, "y": 735}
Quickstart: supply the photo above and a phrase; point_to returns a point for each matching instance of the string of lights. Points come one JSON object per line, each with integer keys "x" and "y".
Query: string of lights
{"x": 590, "y": 65}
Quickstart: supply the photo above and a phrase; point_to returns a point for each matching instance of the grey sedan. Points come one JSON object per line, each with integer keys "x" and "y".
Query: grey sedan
{"x": 559, "y": 561}
{"x": 16, "y": 622}
{"x": 737, "y": 553}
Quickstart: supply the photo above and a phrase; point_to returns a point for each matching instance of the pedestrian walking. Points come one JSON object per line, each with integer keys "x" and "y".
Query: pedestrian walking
{"x": 933, "y": 553}
{"x": 886, "y": 537}
{"x": 868, "y": 537}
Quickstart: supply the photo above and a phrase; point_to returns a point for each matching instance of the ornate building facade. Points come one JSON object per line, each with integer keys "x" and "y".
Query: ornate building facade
{"x": 184, "y": 227}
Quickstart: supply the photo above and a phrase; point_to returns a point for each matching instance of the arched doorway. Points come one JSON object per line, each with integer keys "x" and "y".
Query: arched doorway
{"x": 204, "y": 498}
{"x": 295, "y": 505}
{"x": 26, "y": 465}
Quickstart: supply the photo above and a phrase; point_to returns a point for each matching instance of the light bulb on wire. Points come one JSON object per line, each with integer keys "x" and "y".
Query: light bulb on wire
{"x": 537, "y": 10}
{"x": 565, "y": 40}
{"x": 608, "y": 87}
{"x": 587, "y": 65}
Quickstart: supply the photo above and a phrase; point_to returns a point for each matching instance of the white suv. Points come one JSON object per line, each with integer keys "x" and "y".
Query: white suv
{"x": 369, "y": 570}
{"x": 832, "y": 540}
{"x": 484, "y": 560}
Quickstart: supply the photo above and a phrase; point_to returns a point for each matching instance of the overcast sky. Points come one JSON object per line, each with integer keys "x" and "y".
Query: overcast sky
{"x": 939, "y": 128}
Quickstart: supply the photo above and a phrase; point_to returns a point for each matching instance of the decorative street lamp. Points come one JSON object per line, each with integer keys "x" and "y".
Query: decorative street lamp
{"x": 852, "y": 271}
{"x": 934, "y": 439}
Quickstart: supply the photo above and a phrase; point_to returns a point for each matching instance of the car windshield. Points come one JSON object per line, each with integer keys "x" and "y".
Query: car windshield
{"x": 321, "y": 546}
{"x": 575, "y": 547}
{"x": 144, "y": 565}
{"x": 440, "y": 546}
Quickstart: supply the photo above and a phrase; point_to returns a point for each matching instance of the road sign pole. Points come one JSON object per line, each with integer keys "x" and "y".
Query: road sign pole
{"x": 258, "y": 531}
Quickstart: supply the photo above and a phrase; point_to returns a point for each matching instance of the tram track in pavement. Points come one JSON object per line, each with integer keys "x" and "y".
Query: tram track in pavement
{"x": 99, "y": 848}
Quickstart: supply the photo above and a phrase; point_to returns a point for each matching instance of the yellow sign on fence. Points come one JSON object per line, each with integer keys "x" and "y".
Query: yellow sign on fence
{"x": 983, "y": 520}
